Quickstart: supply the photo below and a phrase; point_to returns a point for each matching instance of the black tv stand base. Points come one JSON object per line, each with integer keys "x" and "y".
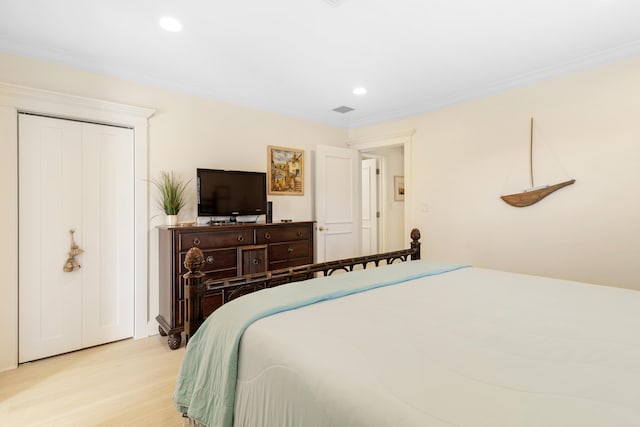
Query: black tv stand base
{"x": 231, "y": 222}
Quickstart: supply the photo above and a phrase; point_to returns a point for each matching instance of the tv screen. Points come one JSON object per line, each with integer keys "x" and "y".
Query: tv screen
{"x": 231, "y": 193}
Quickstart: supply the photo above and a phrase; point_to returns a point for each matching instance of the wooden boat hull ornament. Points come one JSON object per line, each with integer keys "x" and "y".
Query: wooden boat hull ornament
{"x": 529, "y": 197}
{"x": 533, "y": 195}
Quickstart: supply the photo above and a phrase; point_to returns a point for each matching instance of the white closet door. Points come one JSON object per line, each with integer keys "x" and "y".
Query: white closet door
{"x": 108, "y": 234}
{"x": 74, "y": 176}
{"x": 50, "y": 300}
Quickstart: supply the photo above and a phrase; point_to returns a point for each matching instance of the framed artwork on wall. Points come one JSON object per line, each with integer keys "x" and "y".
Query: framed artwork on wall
{"x": 285, "y": 171}
{"x": 398, "y": 188}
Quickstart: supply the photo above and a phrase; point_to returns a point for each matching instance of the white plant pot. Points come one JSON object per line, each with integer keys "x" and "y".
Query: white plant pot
{"x": 172, "y": 220}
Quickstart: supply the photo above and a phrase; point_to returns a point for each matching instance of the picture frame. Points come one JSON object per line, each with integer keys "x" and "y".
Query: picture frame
{"x": 285, "y": 171}
{"x": 398, "y": 188}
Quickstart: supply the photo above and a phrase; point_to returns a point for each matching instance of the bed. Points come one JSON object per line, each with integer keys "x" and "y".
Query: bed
{"x": 420, "y": 343}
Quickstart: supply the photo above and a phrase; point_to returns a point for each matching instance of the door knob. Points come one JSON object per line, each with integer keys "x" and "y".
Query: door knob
{"x": 321, "y": 228}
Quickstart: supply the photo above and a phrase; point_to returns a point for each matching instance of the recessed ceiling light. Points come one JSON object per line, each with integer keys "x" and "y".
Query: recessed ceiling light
{"x": 359, "y": 91}
{"x": 170, "y": 24}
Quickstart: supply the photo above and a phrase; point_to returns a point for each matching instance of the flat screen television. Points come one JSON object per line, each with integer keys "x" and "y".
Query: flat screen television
{"x": 225, "y": 193}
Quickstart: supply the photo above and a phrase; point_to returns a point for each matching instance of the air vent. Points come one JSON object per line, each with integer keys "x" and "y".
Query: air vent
{"x": 343, "y": 109}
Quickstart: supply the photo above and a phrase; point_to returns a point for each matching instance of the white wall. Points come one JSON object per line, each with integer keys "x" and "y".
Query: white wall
{"x": 9, "y": 239}
{"x": 185, "y": 133}
{"x": 466, "y": 156}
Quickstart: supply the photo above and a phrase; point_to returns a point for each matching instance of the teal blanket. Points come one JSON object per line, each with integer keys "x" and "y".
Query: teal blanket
{"x": 206, "y": 383}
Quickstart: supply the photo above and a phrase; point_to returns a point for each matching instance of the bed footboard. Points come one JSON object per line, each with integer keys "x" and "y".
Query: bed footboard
{"x": 196, "y": 288}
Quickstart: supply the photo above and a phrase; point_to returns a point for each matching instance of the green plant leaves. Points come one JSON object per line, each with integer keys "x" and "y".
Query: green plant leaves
{"x": 172, "y": 192}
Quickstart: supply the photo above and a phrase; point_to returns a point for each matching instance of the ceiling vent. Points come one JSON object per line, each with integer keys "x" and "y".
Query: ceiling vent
{"x": 343, "y": 109}
{"x": 334, "y": 3}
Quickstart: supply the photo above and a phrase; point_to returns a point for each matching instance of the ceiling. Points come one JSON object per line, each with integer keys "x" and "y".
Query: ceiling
{"x": 303, "y": 58}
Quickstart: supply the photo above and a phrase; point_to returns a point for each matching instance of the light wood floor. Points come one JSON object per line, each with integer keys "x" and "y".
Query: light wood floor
{"x": 127, "y": 383}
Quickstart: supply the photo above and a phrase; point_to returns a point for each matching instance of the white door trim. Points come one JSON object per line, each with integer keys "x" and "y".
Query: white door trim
{"x": 14, "y": 99}
{"x": 401, "y": 137}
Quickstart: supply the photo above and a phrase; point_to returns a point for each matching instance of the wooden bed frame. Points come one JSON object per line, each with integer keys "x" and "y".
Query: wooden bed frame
{"x": 196, "y": 288}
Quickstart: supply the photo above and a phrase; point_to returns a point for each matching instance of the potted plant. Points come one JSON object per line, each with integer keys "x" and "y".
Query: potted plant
{"x": 171, "y": 198}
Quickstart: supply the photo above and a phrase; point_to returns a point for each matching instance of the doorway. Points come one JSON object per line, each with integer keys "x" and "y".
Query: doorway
{"x": 370, "y": 185}
{"x": 389, "y": 214}
{"x": 338, "y": 176}
{"x": 394, "y": 153}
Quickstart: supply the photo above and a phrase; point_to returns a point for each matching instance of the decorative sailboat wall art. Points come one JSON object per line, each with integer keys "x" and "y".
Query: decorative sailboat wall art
{"x": 533, "y": 195}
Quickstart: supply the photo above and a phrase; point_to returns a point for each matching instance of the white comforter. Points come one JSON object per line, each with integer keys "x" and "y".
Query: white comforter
{"x": 467, "y": 348}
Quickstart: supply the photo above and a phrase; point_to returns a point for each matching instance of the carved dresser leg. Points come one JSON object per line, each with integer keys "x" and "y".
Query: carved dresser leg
{"x": 174, "y": 341}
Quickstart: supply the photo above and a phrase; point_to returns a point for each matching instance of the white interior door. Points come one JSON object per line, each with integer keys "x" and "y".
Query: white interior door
{"x": 338, "y": 217}
{"x": 50, "y": 301}
{"x": 74, "y": 176}
{"x": 108, "y": 234}
{"x": 369, "y": 206}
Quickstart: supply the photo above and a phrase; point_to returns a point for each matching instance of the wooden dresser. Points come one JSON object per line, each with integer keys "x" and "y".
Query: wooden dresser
{"x": 229, "y": 250}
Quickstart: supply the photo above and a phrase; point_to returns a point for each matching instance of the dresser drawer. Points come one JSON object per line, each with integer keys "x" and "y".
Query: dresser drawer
{"x": 283, "y": 234}
{"x": 211, "y": 275}
{"x": 288, "y": 250}
{"x": 214, "y": 259}
{"x": 213, "y": 240}
{"x": 286, "y": 263}
{"x": 210, "y": 302}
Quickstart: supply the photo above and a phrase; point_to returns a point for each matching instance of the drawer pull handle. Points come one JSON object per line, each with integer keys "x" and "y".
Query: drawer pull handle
{"x": 267, "y": 236}
{"x": 240, "y": 238}
{"x": 196, "y": 241}
{"x": 256, "y": 261}
{"x": 299, "y": 233}
{"x": 290, "y": 249}
{"x": 210, "y": 259}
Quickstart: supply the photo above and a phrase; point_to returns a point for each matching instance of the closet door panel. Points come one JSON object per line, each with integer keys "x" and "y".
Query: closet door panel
{"x": 49, "y": 162}
{"x": 108, "y": 203}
